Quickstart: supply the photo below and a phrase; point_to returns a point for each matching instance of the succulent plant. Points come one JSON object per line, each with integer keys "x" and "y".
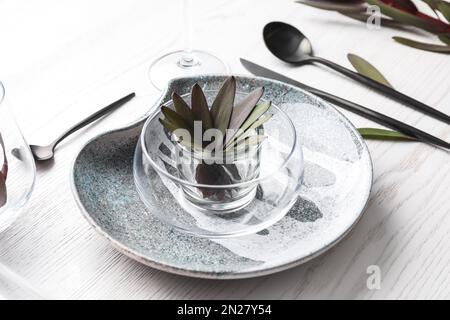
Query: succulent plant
{"x": 236, "y": 123}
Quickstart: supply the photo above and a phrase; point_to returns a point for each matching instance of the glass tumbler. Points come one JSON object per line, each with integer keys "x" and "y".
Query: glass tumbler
{"x": 218, "y": 200}
{"x": 17, "y": 168}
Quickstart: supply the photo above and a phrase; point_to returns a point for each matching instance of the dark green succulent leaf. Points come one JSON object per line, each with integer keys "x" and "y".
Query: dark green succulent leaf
{"x": 168, "y": 125}
{"x": 422, "y": 45}
{"x": 383, "y": 134}
{"x": 174, "y": 122}
{"x": 200, "y": 108}
{"x": 246, "y": 116}
{"x": 257, "y": 112}
{"x": 176, "y": 119}
{"x": 408, "y": 18}
{"x": 444, "y": 8}
{"x": 366, "y": 69}
{"x": 334, "y": 6}
{"x": 445, "y": 38}
{"x": 261, "y": 120}
{"x": 222, "y": 106}
{"x": 247, "y": 142}
{"x": 363, "y": 17}
{"x": 173, "y": 127}
{"x": 182, "y": 108}
{"x": 250, "y": 130}
{"x": 242, "y": 111}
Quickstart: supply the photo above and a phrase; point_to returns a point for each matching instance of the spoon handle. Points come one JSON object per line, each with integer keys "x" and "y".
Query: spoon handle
{"x": 420, "y": 106}
{"x": 100, "y": 113}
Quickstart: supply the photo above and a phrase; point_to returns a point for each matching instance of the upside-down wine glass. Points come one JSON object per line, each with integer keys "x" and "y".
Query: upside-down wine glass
{"x": 17, "y": 169}
{"x": 17, "y": 175}
{"x": 185, "y": 62}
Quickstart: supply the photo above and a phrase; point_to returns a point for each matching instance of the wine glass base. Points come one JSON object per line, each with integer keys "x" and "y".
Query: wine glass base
{"x": 172, "y": 66}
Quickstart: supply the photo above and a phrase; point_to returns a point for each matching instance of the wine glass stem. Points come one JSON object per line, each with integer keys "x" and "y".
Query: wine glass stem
{"x": 187, "y": 60}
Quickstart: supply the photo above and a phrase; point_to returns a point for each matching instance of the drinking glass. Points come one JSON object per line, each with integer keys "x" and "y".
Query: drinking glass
{"x": 185, "y": 62}
{"x": 17, "y": 168}
{"x": 253, "y": 191}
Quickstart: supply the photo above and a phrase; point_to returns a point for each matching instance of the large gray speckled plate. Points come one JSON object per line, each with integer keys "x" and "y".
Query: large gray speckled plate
{"x": 337, "y": 183}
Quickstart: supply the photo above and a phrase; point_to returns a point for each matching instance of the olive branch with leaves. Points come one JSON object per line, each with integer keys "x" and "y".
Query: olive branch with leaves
{"x": 399, "y": 14}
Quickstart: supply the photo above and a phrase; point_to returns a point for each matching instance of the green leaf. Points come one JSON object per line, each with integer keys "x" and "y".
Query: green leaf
{"x": 259, "y": 110}
{"x": 242, "y": 110}
{"x": 333, "y": 6}
{"x": 422, "y": 45}
{"x": 444, "y": 8}
{"x": 222, "y": 106}
{"x": 383, "y": 134}
{"x": 172, "y": 128}
{"x": 408, "y": 18}
{"x": 247, "y": 142}
{"x": 366, "y": 69}
{"x": 174, "y": 122}
{"x": 176, "y": 119}
{"x": 433, "y": 6}
{"x": 200, "y": 108}
{"x": 168, "y": 125}
{"x": 250, "y": 141}
{"x": 182, "y": 108}
{"x": 445, "y": 38}
{"x": 432, "y": 3}
{"x": 244, "y": 134}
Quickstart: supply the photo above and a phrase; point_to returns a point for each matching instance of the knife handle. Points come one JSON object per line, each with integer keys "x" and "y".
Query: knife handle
{"x": 380, "y": 118}
{"x": 388, "y": 91}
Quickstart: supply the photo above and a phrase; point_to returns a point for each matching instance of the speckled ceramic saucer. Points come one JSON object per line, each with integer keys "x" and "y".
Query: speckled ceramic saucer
{"x": 336, "y": 187}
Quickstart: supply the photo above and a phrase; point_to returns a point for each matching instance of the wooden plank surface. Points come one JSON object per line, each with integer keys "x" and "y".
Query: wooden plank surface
{"x": 61, "y": 60}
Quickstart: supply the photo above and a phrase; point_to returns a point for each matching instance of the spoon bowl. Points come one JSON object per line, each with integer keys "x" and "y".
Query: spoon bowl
{"x": 287, "y": 43}
{"x": 42, "y": 153}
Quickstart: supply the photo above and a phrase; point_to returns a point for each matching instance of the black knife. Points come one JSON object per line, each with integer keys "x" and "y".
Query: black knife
{"x": 375, "y": 116}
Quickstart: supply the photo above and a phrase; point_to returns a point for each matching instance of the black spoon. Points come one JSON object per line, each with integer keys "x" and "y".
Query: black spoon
{"x": 290, "y": 45}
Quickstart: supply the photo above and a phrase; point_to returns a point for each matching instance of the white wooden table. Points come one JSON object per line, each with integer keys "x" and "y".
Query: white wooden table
{"x": 61, "y": 60}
